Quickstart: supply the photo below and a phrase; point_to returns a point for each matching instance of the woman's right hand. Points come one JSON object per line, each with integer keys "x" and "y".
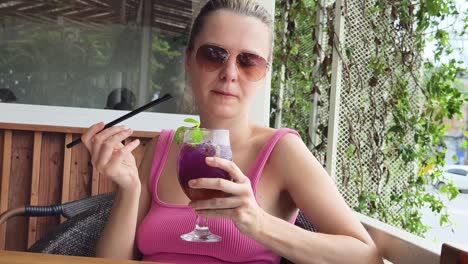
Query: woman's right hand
{"x": 110, "y": 157}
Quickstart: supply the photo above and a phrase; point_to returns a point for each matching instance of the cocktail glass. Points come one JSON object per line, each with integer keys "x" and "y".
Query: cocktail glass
{"x": 199, "y": 143}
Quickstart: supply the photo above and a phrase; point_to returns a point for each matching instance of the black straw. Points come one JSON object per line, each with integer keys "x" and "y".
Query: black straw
{"x": 126, "y": 116}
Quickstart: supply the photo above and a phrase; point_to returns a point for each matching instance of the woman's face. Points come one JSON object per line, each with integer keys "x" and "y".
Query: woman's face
{"x": 227, "y": 91}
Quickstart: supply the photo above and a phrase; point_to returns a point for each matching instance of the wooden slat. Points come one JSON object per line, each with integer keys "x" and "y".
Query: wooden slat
{"x": 2, "y": 133}
{"x": 34, "y": 198}
{"x": 80, "y": 172}
{"x": 95, "y": 182}
{"x": 50, "y": 180}
{"x": 6, "y": 169}
{"x": 66, "y": 171}
{"x": 19, "y": 190}
{"x": 14, "y": 7}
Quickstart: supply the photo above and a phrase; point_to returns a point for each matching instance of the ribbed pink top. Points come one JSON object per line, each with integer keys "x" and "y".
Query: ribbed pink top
{"x": 158, "y": 236}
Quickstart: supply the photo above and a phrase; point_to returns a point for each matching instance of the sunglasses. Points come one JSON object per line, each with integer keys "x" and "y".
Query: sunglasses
{"x": 250, "y": 66}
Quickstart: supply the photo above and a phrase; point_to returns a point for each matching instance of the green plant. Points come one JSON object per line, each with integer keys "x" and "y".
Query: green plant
{"x": 292, "y": 65}
{"x": 400, "y": 125}
{"x": 412, "y": 136}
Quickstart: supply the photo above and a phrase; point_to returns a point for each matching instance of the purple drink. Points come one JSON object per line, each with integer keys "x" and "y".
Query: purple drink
{"x": 198, "y": 144}
{"x": 192, "y": 165}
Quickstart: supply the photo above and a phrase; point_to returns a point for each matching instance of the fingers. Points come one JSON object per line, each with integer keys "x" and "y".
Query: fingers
{"x": 217, "y": 184}
{"x": 92, "y": 130}
{"x": 105, "y": 136}
{"x": 119, "y": 157}
{"x": 121, "y": 154}
{"x": 228, "y": 166}
{"x": 217, "y": 203}
{"x": 218, "y": 213}
{"x": 109, "y": 146}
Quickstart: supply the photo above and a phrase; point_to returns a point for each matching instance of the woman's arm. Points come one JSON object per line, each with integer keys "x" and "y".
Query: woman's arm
{"x": 341, "y": 238}
{"x": 129, "y": 209}
{"x": 132, "y": 200}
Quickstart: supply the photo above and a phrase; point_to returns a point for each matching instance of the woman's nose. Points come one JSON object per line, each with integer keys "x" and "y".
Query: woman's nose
{"x": 229, "y": 72}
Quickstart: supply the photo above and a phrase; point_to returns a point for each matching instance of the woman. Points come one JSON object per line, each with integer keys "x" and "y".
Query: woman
{"x": 274, "y": 173}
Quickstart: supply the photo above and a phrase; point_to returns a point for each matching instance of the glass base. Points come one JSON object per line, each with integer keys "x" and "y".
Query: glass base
{"x": 200, "y": 234}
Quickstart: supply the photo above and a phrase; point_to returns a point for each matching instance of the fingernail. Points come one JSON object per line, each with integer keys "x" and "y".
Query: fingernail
{"x": 209, "y": 159}
{"x": 192, "y": 182}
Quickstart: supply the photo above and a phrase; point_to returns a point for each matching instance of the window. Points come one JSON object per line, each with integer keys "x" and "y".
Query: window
{"x": 99, "y": 54}
{"x": 94, "y": 53}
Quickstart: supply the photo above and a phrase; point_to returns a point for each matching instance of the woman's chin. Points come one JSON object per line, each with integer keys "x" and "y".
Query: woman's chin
{"x": 222, "y": 111}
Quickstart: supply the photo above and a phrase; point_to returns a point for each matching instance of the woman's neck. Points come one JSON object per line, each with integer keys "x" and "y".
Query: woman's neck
{"x": 240, "y": 129}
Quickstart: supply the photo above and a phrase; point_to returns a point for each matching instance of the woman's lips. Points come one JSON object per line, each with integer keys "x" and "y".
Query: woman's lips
{"x": 221, "y": 93}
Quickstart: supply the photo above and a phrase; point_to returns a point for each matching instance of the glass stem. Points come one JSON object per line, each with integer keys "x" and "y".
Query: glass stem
{"x": 202, "y": 222}
{"x": 201, "y": 227}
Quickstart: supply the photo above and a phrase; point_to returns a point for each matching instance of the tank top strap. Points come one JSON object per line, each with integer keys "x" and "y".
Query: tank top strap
{"x": 161, "y": 152}
{"x": 261, "y": 160}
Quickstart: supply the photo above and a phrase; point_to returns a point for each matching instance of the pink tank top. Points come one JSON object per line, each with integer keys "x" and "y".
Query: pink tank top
{"x": 158, "y": 236}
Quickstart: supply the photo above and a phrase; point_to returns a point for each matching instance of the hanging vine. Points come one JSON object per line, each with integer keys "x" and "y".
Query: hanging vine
{"x": 400, "y": 125}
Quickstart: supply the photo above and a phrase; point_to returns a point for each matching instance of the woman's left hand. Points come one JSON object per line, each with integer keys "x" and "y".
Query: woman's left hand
{"x": 241, "y": 207}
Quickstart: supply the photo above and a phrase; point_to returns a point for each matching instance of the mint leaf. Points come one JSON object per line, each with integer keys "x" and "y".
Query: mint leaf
{"x": 179, "y": 134}
{"x": 197, "y": 135}
{"x": 192, "y": 121}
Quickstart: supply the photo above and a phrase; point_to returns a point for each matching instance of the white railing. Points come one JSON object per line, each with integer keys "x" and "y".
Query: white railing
{"x": 398, "y": 246}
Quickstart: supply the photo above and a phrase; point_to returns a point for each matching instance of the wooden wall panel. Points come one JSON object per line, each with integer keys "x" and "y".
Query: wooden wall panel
{"x": 6, "y": 171}
{"x": 81, "y": 172}
{"x": 50, "y": 183}
{"x": 66, "y": 169}
{"x": 58, "y": 175}
{"x": 20, "y": 188}
{"x": 34, "y": 198}
{"x": 2, "y": 133}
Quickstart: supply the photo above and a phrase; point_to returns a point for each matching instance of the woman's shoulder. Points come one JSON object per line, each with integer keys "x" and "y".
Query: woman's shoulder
{"x": 289, "y": 138}
{"x": 266, "y": 133}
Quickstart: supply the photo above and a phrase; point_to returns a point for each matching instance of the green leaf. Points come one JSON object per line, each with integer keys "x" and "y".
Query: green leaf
{"x": 179, "y": 134}
{"x": 197, "y": 136}
{"x": 192, "y": 121}
{"x": 443, "y": 219}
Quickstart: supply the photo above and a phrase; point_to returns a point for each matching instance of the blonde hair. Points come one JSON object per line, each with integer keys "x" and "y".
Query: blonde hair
{"x": 248, "y": 8}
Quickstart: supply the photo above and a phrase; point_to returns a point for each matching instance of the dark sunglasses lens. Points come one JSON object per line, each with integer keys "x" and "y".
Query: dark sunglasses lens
{"x": 211, "y": 58}
{"x": 252, "y": 66}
